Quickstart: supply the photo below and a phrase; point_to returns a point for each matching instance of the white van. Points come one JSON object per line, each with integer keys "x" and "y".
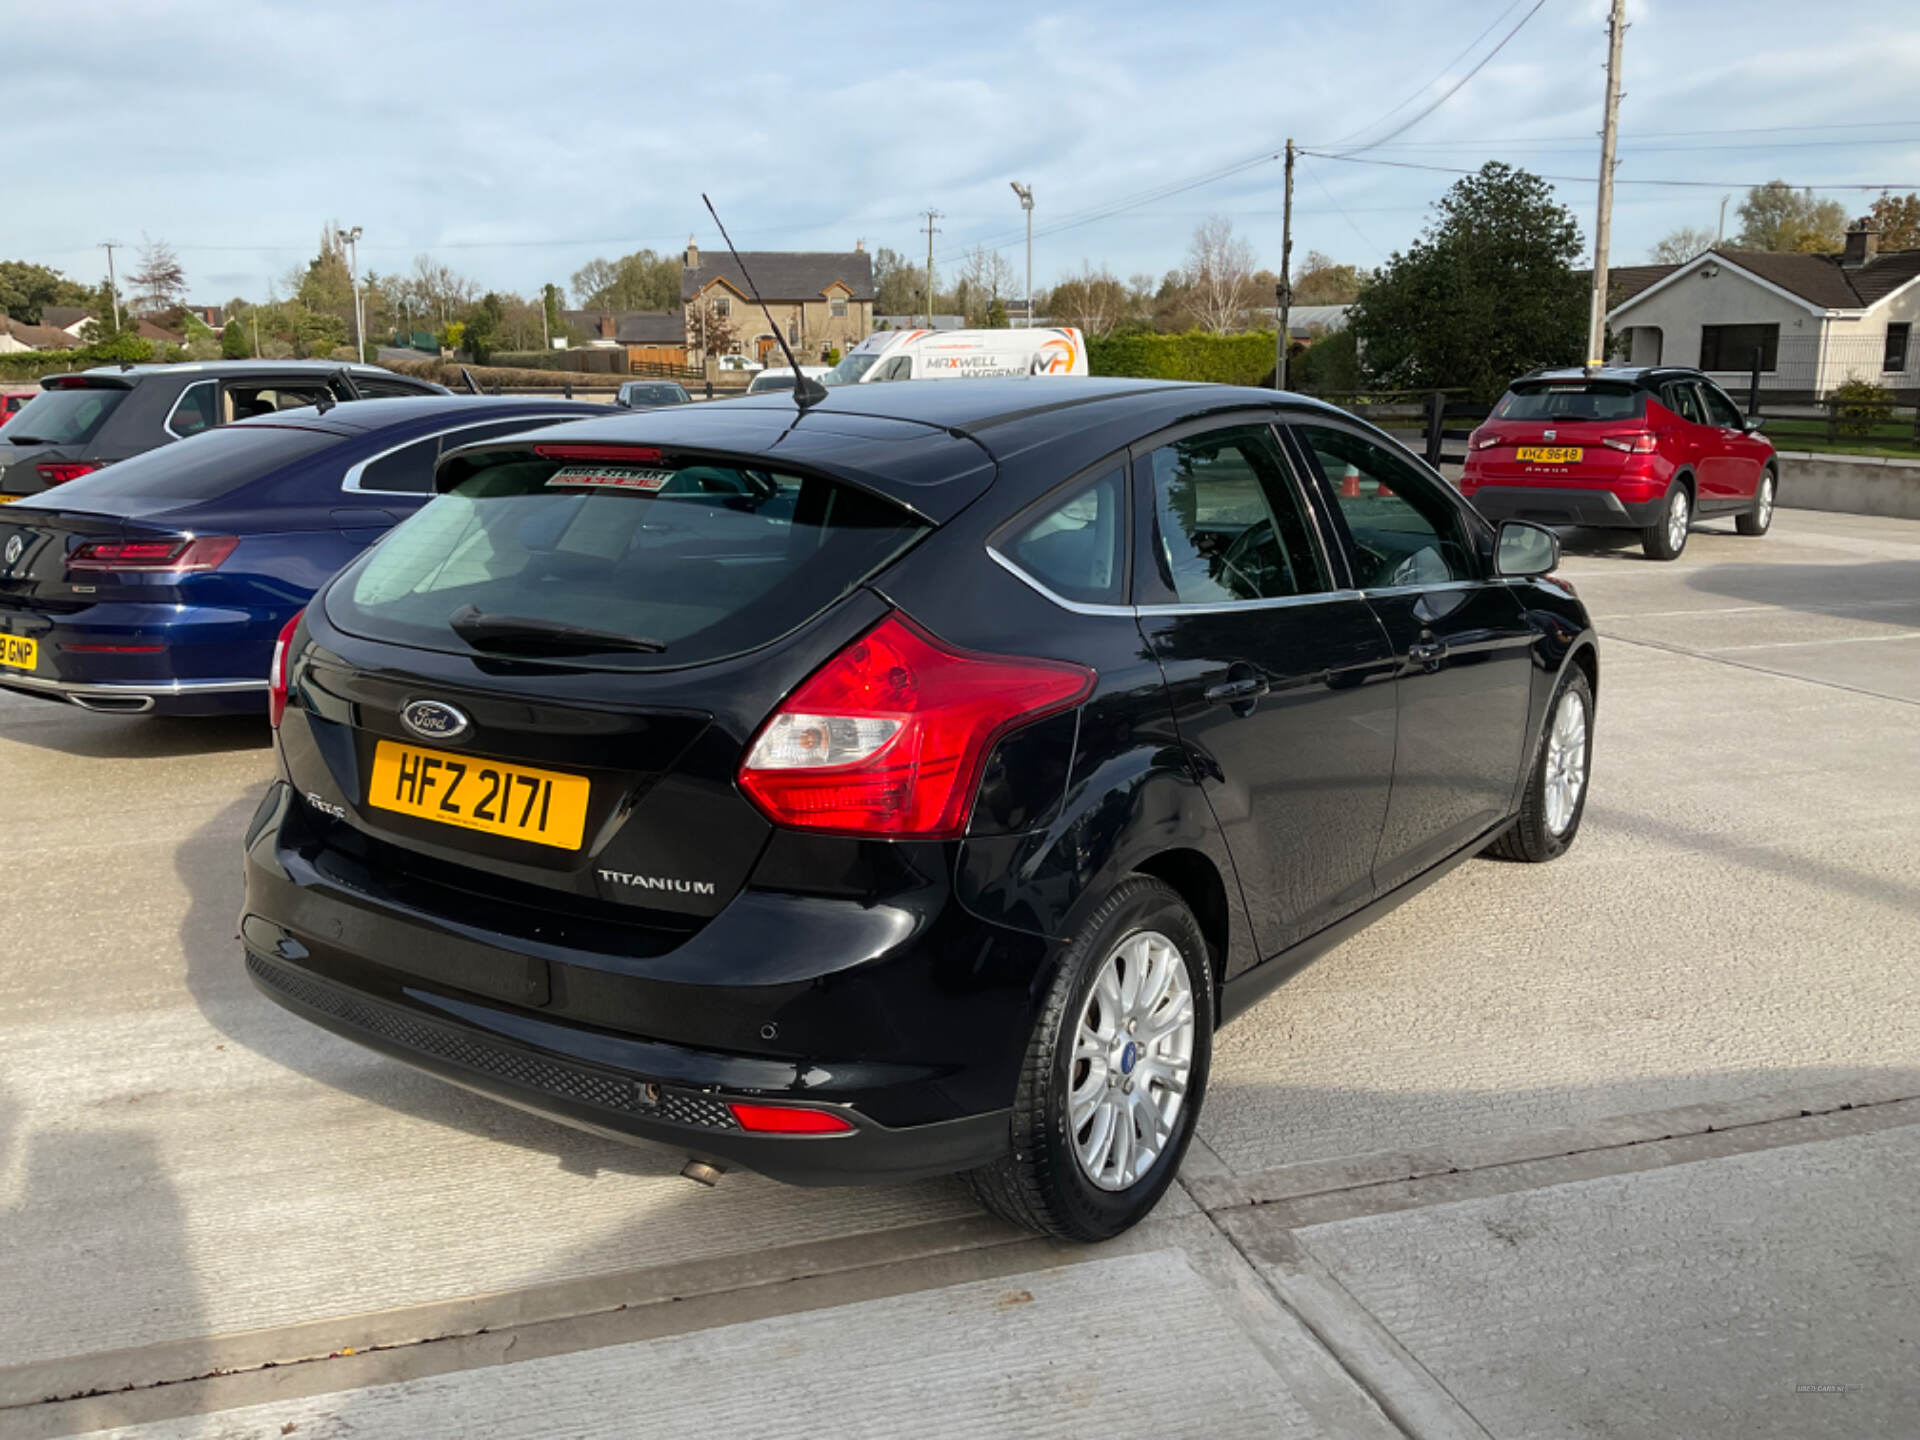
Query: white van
{"x": 962, "y": 355}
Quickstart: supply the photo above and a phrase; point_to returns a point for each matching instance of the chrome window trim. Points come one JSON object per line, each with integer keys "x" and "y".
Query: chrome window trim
{"x": 350, "y": 482}
{"x": 1136, "y": 612}
{"x": 1078, "y": 607}
{"x": 180, "y": 399}
{"x": 1381, "y": 590}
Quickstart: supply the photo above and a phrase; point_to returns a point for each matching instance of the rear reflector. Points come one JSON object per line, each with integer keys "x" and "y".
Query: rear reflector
{"x": 890, "y": 736}
{"x": 277, "y": 669}
{"x": 630, "y": 454}
{"x": 151, "y": 556}
{"x": 59, "y": 472}
{"x": 789, "y": 1120}
{"x": 113, "y": 649}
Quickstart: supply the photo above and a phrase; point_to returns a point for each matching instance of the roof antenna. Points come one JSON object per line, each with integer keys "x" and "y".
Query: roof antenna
{"x": 805, "y": 391}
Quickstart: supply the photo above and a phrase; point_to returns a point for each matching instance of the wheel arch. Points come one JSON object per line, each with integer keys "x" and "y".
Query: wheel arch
{"x": 1197, "y": 880}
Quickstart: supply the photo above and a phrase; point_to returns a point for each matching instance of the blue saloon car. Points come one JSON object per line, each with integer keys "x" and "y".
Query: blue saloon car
{"x": 159, "y": 585}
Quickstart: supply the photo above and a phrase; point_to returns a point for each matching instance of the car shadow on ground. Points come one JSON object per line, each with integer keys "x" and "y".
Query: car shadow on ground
{"x": 73, "y": 731}
{"x": 1597, "y": 544}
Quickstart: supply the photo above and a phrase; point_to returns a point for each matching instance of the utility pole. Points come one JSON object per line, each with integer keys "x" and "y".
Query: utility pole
{"x": 1284, "y": 289}
{"x": 113, "y": 289}
{"x": 352, "y": 238}
{"x": 932, "y": 215}
{"x": 1720, "y": 230}
{"x": 1025, "y": 192}
{"x": 1603, "y": 221}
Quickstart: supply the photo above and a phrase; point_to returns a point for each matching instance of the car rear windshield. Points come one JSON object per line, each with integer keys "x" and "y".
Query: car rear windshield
{"x": 706, "y": 560}
{"x": 64, "y": 417}
{"x": 1572, "y": 400}
{"x": 850, "y": 369}
{"x": 202, "y": 467}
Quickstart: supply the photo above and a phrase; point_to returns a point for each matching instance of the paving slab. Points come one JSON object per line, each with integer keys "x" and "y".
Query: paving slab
{"x": 1133, "y": 1345}
{"x": 1773, "y": 1294}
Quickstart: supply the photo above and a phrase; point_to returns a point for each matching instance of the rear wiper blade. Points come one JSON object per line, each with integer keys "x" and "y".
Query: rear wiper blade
{"x": 26, "y": 440}
{"x": 529, "y": 634}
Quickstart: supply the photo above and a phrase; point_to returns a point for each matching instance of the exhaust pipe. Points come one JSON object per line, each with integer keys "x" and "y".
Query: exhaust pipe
{"x": 113, "y": 704}
{"x": 703, "y": 1172}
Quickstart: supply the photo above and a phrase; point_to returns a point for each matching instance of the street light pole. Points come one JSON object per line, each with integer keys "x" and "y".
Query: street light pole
{"x": 1025, "y": 192}
{"x": 351, "y": 238}
{"x": 1603, "y": 221}
{"x": 1283, "y": 292}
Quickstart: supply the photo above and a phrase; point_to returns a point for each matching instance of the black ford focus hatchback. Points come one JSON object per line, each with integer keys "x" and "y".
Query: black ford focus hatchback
{"x": 906, "y": 785}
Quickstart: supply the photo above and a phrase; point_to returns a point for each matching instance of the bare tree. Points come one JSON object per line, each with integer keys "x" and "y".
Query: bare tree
{"x": 985, "y": 276}
{"x": 1094, "y": 300}
{"x": 160, "y": 284}
{"x": 1219, "y": 276}
{"x": 1679, "y": 246}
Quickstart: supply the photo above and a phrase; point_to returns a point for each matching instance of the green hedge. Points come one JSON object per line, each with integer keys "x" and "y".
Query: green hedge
{"x": 1223, "y": 359}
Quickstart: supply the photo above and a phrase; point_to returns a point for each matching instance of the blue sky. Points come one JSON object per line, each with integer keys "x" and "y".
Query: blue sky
{"x": 513, "y": 141}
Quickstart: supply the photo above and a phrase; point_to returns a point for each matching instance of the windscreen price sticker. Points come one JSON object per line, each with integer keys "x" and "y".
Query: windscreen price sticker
{"x": 606, "y": 477}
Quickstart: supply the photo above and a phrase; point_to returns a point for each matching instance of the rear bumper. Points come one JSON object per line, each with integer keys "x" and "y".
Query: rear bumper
{"x": 1565, "y": 505}
{"x": 211, "y": 660}
{"x": 624, "y": 1044}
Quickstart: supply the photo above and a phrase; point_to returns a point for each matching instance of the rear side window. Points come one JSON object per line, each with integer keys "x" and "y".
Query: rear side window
{"x": 1076, "y": 548}
{"x": 408, "y": 470}
{"x": 707, "y": 559}
{"x": 65, "y": 417}
{"x": 203, "y": 468}
{"x": 375, "y": 387}
{"x": 195, "y": 410}
{"x": 1581, "y": 400}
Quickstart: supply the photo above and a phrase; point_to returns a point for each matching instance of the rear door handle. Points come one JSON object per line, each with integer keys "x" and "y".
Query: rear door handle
{"x": 1231, "y": 691}
{"x": 1427, "y": 652}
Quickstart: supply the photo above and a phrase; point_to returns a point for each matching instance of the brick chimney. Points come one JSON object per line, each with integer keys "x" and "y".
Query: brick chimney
{"x": 1863, "y": 242}
{"x": 693, "y": 254}
{"x": 606, "y": 326}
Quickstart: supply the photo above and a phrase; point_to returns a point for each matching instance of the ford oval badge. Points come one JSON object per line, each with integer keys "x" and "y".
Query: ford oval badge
{"x": 434, "y": 720}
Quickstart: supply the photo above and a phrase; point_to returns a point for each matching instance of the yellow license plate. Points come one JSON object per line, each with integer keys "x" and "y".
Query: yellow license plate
{"x": 18, "y": 652}
{"x": 1549, "y": 454}
{"x": 543, "y": 806}
{"x": 8, "y": 499}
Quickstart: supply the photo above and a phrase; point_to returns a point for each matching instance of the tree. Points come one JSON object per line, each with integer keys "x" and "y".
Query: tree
{"x": 1775, "y": 216}
{"x": 1323, "y": 282}
{"x": 159, "y": 286}
{"x": 1094, "y": 301}
{"x": 236, "y": 341}
{"x": 1487, "y": 291}
{"x": 26, "y": 289}
{"x": 1219, "y": 276}
{"x": 550, "y": 300}
{"x": 985, "y": 276}
{"x": 483, "y": 324}
{"x": 1677, "y": 247}
{"x": 710, "y": 332}
{"x": 895, "y": 283}
{"x": 1898, "y": 217}
{"x": 640, "y": 281}
{"x": 997, "y": 314}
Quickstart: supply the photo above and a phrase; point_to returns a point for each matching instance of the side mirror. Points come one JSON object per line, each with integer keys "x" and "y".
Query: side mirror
{"x": 1525, "y": 549}
{"x": 1753, "y": 423}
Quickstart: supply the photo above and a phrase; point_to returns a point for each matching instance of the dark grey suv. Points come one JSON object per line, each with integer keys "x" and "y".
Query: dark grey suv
{"x": 81, "y": 422}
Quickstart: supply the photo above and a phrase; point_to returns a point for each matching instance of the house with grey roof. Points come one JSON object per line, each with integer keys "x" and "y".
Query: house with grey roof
{"x": 1810, "y": 322}
{"x": 821, "y": 300}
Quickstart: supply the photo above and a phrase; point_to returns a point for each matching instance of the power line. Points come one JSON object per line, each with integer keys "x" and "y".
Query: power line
{"x": 1623, "y": 180}
{"x": 1472, "y": 45}
{"x": 1455, "y": 88}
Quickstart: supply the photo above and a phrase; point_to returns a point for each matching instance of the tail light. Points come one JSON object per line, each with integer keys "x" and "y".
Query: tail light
{"x": 1641, "y": 444}
{"x": 59, "y": 472}
{"x": 889, "y": 737}
{"x": 789, "y": 1120}
{"x": 277, "y": 672}
{"x": 152, "y": 556}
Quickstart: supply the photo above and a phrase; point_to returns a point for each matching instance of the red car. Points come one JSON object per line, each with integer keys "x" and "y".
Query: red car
{"x": 12, "y": 400}
{"x": 1622, "y": 448}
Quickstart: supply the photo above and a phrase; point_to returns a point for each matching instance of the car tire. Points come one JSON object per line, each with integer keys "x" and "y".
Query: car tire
{"x": 1759, "y": 519}
{"x": 1667, "y": 536}
{"x": 1550, "y": 813}
{"x": 1043, "y": 1182}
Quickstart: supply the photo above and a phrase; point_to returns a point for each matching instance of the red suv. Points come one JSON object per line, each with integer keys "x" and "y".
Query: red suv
{"x": 12, "y": 400}
{"x": 1639, "y": 449}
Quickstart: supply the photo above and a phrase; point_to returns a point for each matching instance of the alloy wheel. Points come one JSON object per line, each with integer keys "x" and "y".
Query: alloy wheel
{"x": 1678, "y": 515}
{"x": 1566, "y": 773}
{"x": 1766, "y": 500}
{"x": 1132, "y": 1056}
